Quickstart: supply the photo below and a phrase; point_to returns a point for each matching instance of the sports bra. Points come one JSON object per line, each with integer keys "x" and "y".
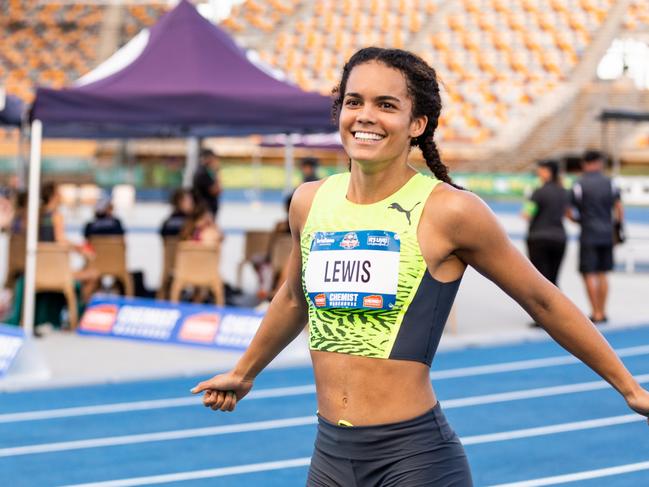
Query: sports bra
{"x": 368, "y": 289}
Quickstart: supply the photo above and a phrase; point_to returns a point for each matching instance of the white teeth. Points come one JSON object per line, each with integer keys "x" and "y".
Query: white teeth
{"x": 367, "y": 136}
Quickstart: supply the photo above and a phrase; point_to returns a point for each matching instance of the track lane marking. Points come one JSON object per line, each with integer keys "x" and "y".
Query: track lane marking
{"x": 584, "y": 475}
{"x": 200, "y": 474}
{"x": 293, "y": 422}
{"x": 310, "y": 389}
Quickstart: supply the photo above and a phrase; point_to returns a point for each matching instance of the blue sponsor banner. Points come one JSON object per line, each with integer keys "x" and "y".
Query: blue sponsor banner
{"x": 11, "y": 341}
{"x": 357, "y": 240}
{"x": 164, "y": 322}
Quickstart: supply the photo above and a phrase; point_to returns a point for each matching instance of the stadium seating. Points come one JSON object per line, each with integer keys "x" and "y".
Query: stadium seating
{"x": 47, "y": 44}
{"x": 497, "y": 58}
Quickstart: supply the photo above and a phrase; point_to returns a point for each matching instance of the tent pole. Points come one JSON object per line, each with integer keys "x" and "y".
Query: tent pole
{"x": 191, "y": 163}
{"x": 21, "y": 160}
{"x": 289, "y": 164}
{"x": 29, "y": 302}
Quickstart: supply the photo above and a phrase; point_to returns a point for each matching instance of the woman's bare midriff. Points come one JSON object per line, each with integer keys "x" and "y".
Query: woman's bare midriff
{"x": 368, "y": 391}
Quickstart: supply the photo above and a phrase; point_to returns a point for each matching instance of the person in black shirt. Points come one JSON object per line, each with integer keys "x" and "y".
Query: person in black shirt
{"x": 309, "y": 168}
{"x": 206, "y": 186}
{"x": 546, "y": 237}
{"x": 596, "y": 199}
{"x": 104, "y": 223}
{"x": 182, "y": 201}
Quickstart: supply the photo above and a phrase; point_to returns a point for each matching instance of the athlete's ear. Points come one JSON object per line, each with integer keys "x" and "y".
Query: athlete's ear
{"x": 418, "y": 125}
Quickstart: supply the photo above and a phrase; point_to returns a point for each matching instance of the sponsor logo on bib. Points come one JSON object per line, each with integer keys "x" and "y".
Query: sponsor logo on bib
{"x": 320, "y": 300}
{"x": 373, "y": 301}
{"x": 350, "y": 241}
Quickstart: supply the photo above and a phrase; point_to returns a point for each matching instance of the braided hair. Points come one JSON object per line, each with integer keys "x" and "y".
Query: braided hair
{"x": 421, "y": 81}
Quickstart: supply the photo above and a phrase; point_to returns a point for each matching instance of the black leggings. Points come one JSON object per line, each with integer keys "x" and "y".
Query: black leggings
{"x": 420, "y": 452}
{"x": 546, "y": 256}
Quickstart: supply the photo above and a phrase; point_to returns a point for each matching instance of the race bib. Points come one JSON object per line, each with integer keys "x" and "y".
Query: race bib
{"x": 353, "y": 269}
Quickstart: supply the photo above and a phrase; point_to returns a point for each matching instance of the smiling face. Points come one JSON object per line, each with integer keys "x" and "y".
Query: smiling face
{"x": 376, "y": 122}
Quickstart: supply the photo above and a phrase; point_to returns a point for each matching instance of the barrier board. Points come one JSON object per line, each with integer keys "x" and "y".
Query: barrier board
{"x": 161, "y": 321}
{"x": 12, "y": 339}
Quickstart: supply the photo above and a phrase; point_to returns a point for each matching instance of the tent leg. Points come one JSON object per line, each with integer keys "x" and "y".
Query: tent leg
{"x": 191, "y": 164}
{"x": 33, "y": 193}
{"x": 289, "y": 164}
{"x": 21, "y": 160}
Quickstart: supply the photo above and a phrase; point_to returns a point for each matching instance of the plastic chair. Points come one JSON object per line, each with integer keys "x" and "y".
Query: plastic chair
{"x": 53, "y": 273}
{"x": 169, "y": 247}
{"x": 280, "y": 253}
{"x": 256, "y": 243}
{"x": 16, "y": 259}
{"x": 110, "y": 259}
{"x": 197, "y": 264}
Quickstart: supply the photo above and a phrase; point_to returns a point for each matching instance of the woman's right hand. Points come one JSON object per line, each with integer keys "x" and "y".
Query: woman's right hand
{"x": 223, "y": 391}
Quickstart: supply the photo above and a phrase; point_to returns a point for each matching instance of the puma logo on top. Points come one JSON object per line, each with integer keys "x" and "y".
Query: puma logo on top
{"x": 398, "y": 207}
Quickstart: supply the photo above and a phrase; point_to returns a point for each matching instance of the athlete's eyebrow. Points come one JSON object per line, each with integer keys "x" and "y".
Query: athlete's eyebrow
{"x": 378, "y": 98}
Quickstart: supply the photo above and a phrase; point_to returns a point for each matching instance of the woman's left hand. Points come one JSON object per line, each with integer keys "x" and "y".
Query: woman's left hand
{"x": 639, "y": 401}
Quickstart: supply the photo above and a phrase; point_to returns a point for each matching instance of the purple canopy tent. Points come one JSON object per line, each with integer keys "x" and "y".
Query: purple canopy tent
{"x": 191, "y": 80}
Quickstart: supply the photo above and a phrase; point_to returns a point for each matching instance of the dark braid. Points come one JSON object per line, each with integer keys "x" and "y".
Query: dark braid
{"x": 421, "y": 81}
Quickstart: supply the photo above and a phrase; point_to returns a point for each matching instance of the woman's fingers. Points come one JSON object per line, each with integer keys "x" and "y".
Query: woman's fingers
{"x": 208, "y": 398}
{"x": 220, "y": 400}
{"x": 229, "y": 402}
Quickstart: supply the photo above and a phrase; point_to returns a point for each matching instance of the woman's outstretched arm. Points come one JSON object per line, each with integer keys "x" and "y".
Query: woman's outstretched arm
{"x": 480, "y": 241}
{"x": 284, "y": 320}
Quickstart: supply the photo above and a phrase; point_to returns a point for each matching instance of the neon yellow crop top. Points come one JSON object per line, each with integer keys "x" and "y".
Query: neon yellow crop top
{"x": 366, "y": 283}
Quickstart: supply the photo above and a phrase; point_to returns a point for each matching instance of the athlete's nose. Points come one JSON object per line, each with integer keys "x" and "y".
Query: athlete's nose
{"x": 366, "y": 114}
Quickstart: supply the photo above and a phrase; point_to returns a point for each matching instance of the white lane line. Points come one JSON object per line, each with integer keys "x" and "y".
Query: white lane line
{"x": 310, "y": 389}
{"x": 552, "y": 429}
{"x": 200, "y": 474}
{"x": 526, "y": 364}
{"x": 532, "y": 393}
{"x": 292, "y": 422}
{"x": 161, "y": 436}
{"x": 145, "y": 405}
{"x": 585, "y": 475}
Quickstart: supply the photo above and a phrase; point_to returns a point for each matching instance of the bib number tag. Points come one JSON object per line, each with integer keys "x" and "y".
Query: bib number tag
{"x": 357, "y": 269}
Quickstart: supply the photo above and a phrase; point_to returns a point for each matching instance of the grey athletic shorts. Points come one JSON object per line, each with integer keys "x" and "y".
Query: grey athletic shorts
{"x": 423, "y": 451}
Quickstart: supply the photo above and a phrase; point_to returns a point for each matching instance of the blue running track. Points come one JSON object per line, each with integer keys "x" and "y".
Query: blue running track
{"x": 528, "y": 415}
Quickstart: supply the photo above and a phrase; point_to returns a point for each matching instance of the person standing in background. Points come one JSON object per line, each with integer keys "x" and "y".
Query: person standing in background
{"x": 545, "y": 210}
{"x": 309, "y": 168}
{"x": 206, "y": 185}
{"x": 598, "y": 204}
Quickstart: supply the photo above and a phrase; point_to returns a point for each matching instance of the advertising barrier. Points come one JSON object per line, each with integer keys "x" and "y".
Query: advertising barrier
{"x": 164, "y": 322}
{"x": 12, "y": 339}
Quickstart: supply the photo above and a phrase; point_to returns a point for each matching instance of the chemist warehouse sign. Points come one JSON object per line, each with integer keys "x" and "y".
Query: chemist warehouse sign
{"x": 159, "y": 321}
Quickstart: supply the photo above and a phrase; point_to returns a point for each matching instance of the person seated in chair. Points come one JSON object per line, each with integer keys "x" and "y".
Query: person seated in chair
{"x": 51, "y": 228}
{"x": 200, "y": 227}
{"x": 104, "y": 224}
{"x": 182, "y": 201}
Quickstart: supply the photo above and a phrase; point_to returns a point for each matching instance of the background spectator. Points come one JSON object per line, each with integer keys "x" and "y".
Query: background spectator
{"x": 206, "y": 185}
{"x": 596, "y": 199}
{"x": 200, "y": 227}
{"x": 182, "y": 201}
{"x": 309, "y": 167}
{"x": 51, "y": 228}
{"x": 104, "y": 223}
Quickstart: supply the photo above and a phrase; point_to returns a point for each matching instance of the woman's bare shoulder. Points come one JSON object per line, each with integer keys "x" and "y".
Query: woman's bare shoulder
{"x": 302, "y": 200}
{"x": 451, "y": 204}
